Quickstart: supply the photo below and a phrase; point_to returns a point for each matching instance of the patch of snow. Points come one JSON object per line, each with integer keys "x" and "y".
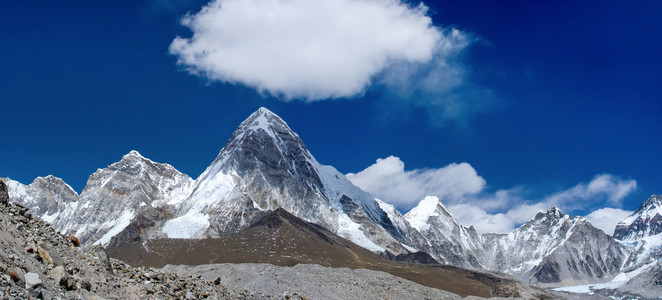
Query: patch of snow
{"x": 615, "y": 283}
{"x": 186, "y": 226}
{"x": 576, "y": 289}
{"x": 350, "y": 230}
{"x": 116, "y": 227}
{"x": 50, "y": 218}
{"x": 17, "y": 191}
{"x": 410, "y": 248}
{"x": 255, "y": 205}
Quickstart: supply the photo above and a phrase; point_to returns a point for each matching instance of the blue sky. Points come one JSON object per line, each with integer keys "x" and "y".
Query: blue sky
{"x": 554, "y": 103}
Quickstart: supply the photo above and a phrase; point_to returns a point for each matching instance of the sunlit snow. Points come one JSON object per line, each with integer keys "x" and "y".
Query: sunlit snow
{"x": 186, "y": 226}
{"x": 117, "y": 226}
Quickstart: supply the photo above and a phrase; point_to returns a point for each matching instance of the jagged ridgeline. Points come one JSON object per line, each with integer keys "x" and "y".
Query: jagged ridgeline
{"x": 265, "y": 166}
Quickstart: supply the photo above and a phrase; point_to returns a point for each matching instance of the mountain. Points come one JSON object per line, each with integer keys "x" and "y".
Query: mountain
{"x": 445, "y": 239}
{"x": 264, "y": 166}
{"x": 646, "y": 221}
{"x": 47, "y": 197}
{"x": 642, "y": 233}
{"x": 113, "y": 197}
{"x": 553, "y": 249}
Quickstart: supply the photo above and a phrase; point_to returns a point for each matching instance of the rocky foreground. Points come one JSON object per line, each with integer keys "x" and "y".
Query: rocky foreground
{"x": 38, "y": 262}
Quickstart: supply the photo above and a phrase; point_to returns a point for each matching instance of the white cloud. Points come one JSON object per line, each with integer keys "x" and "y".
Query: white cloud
{"x": 313, "y": 50}
{"x": 388, "y": 180}
{"x": 463, "y": 191}
{"x": 607, "y": 218}
{"x": 481, "y": 220}
{"x": 602, "y": 188}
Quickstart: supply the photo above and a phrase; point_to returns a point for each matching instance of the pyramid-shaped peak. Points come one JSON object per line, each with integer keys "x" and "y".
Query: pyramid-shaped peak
{"x": 262, "y": 119}
{"x": 430, "y": 206}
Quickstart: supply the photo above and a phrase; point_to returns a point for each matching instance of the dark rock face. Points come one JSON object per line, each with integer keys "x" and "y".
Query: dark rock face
{"x": 141, "y": 227}
{"x": 548, "y": 271}
{"x": 4, "y": 195}
{"x": 416, "y": 258}
{"x": 588, "y": 255}
{"x": 645, "y": 221}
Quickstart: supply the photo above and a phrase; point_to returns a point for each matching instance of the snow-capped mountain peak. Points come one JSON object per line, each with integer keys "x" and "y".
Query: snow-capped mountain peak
{"x": 265, "y": 166}
{"x": 430, "y": 206}
{"x": 643, "y": 222}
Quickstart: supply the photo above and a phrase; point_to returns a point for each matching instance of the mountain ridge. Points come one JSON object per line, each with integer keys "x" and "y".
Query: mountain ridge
{"x": 265, "y": 166}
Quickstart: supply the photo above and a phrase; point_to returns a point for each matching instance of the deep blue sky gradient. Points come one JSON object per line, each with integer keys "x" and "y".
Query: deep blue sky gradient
{"x": 577, "y": 89}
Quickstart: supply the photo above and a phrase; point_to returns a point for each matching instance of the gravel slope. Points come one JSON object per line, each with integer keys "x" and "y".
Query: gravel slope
{"x": 312, "y": 281}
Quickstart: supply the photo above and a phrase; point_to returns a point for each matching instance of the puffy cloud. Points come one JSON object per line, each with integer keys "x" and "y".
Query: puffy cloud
{"x": 603, "y": 187}
{"x": 607, "y": 218}
{"x": 388, "y": 180}
{"x": 463, "y": 191}
{"x": 482, "y": 221}
{"x": 474, "y": 215}
{"x": 321, "y": 49}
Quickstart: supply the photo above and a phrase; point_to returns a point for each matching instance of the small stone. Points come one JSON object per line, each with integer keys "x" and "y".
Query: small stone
{"x": 44, "y": 255}
{"x": 31, "y": 248}
{"x": 59, "y": 274}
{"x": 21, "y": 209}
{"x": 84, "y": 284}
{"x": 17, "y": 275}
{"x": 32, "y": 280}
{"x": 46, "y": 294}
{"x": 70, "y": 284}
{"x": 75, "y": 241}
{"x": 217, "y": 281}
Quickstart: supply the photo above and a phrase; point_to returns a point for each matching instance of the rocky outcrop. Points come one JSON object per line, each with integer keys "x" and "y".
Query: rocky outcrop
{"x": 4, "y": 195}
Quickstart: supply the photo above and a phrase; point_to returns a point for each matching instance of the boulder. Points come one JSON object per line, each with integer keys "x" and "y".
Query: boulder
{"x": 59, "y": 274}
{"x": 32, "y": 281}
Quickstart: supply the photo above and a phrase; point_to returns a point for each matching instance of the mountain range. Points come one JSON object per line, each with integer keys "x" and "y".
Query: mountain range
{"x": 265, "y": 166}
